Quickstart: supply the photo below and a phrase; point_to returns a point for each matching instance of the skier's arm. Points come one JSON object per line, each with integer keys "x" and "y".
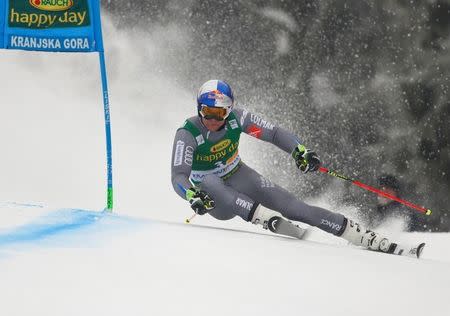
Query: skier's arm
{"x": 183, "y": 148}
{"x": 255, "y": 126}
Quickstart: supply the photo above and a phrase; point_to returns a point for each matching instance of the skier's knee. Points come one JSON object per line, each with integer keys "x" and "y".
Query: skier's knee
{"x": 221, "y": 214}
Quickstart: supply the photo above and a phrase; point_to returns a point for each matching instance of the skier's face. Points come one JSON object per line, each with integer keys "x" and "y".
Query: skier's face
{"x": 212, "y": 125}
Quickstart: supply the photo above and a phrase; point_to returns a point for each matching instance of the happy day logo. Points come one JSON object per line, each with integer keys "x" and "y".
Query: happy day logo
{"x": 42, "y": 14}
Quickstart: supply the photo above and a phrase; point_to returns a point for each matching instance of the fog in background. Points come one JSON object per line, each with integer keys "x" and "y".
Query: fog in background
{"x": 364, "y": 83}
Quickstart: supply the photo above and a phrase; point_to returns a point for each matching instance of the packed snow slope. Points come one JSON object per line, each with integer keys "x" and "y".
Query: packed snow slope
{"x": 76, "y": 262}
{"x": 59, "y": 255}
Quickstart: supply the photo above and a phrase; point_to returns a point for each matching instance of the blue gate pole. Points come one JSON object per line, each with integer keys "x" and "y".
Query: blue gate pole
{"x": 109, "y": 202}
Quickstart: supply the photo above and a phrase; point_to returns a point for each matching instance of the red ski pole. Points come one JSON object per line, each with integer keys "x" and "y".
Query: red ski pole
{"x": 377, "y": 191}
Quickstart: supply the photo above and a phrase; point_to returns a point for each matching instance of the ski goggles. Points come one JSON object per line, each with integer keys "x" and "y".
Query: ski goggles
{"x": 218, "y": 114}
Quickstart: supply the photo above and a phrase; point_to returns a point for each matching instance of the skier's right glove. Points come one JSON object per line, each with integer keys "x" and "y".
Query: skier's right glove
{"x": 200, "y": 201}
{"x": 305, "y": 159}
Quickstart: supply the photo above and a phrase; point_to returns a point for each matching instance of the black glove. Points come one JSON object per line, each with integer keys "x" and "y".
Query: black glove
{"x": 305, "y": 159}
{"x": 200, "y": 201}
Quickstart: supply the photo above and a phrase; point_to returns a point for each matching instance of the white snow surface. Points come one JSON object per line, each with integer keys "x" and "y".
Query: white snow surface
{"x": 60, "y": 255}
{"x": 75, "y": 262}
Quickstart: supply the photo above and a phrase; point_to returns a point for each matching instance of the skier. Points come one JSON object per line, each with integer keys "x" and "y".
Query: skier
{"x": 208, "y": 172}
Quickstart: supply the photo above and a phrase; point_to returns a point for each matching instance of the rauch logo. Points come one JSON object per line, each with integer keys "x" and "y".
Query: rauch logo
{"x": 52, "y": 5}
{"x": 220, "y": 146}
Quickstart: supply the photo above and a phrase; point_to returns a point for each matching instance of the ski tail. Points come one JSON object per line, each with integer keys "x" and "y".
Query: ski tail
{"x": 408, "y": 251}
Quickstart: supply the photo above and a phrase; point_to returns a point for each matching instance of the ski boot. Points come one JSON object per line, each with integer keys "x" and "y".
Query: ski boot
{"x": 276, "y": 223}
{"x": 359, "y": 236}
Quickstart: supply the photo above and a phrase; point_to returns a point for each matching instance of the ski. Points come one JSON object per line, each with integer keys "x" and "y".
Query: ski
{"x": 280, "y": 226}
{"x": 408, "y": 251}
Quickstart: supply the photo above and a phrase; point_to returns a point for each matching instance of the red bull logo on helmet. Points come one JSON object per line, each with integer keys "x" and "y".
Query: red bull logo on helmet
{"x": 216, "y": 95}
{"x": 52, "y": 5}
{"x": 221, "y": 99}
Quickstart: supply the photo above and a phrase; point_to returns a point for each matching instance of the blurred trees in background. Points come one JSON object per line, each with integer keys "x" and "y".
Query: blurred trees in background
{"x": 365, "y": 83}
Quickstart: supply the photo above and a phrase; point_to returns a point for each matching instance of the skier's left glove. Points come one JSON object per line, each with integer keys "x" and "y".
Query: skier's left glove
{"x": 200, "y": 201}
{"x": 305, "y": 159}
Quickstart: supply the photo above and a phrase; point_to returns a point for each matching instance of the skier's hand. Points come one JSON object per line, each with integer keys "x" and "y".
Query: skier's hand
{"x": 200, "y": 201}
{"x": 305, "y": 159}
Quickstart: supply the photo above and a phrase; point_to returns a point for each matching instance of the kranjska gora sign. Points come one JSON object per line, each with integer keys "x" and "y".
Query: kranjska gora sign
{"x": 49, "y": 25}
{"x": 59, "y": 26}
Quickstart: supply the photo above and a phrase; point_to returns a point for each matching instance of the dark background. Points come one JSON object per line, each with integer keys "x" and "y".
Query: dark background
{"x": 364, "y": 83}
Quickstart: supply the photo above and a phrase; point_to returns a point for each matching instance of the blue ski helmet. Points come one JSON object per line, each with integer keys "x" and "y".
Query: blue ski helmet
{"x": 215, "y": 94}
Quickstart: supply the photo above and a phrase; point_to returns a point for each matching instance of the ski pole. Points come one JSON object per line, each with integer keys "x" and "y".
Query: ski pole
{"x": 377, "y": 191}
{"x": 208, "y": 201}
{"x": 188, "y": 220}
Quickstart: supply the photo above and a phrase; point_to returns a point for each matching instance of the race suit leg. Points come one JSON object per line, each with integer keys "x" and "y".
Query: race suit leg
{"x": 228, "y": 201}
{"x": 261, "y": 190}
